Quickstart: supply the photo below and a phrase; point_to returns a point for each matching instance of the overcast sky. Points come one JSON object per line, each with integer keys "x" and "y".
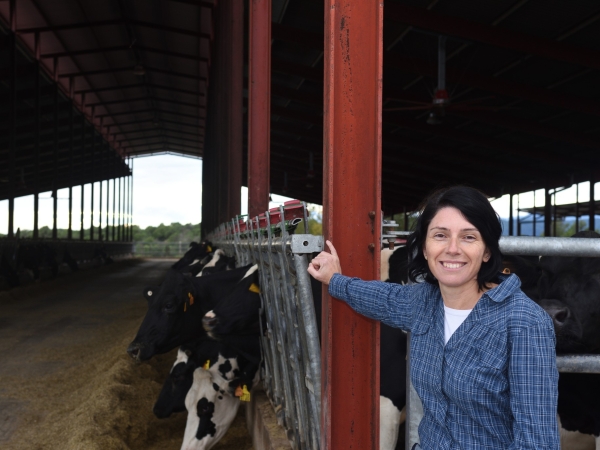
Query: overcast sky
{"x": 168, "y": 189}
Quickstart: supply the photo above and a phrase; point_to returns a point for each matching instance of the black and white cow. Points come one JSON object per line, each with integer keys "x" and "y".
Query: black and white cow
{"x": 175, "y": 312}
{"x": 233, "y": 362}
{"x": 196, "y": 253}
{"x": 210, "y": 411}
{"x": 219, "y": 261}
{"x": 569, "y": 291}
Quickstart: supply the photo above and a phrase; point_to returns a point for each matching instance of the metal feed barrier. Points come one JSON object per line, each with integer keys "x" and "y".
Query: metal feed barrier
{"x": 291, "y": 373}
{"x": 289, "y": 334}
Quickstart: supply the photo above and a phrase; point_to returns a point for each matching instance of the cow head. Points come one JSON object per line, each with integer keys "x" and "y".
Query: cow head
{"x": 569, "y": 291}
{"x": 169, "y": 319}
{"x": 210, "y": 412}
{"x": 238, "y": 313}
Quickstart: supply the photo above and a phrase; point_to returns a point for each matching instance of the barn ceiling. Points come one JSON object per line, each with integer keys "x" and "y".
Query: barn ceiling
{"x": 521, "y": 76}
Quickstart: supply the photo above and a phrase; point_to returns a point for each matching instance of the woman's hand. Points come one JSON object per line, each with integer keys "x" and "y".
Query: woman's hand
{"x": 324, "y": 265}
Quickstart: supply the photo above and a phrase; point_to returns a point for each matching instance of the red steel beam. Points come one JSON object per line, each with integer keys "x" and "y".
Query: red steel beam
{"x": 259, "y": 102}
{"x": 512, "y": 40}
{"x": 352, "y": 218}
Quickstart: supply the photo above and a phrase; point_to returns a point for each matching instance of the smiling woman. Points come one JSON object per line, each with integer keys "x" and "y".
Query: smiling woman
{"x": 480, "y": 348}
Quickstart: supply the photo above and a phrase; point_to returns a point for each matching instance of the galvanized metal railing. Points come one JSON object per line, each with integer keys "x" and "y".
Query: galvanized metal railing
{"x": 291, "y": 373}
{"x": 522, "y": 246}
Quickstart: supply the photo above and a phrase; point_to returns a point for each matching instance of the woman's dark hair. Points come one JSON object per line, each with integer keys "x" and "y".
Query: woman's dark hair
{"x": 477, "y": 210}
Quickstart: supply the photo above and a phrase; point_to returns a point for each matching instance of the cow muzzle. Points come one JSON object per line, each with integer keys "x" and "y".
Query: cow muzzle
{"x": 135, "y": 350}
{"x": 210, "y": 321}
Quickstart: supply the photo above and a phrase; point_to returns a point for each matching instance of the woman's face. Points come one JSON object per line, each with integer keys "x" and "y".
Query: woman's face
{"x": 454, "y": 249}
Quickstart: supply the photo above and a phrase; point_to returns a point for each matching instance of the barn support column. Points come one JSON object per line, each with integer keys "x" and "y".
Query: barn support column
{"x": 223, "y": 144}
{"x": 93, "y": 173}
{"x": 592, "y": 203}
{"x": 119, "y": 212}
{"x": 259, "y": 107}
{"x": 100, "y": 189}
{"x": 534, "y": 215}
{"x": 352, "y": 218}
{"x": 55, "y": 170}
{"x": 131, "y": 204}
{"x": 83, "y": 161}
{"x": 36, "y": 170}
{"x": 547, "y": 212}
{"x": 577, "y": 208}
{"x": 113, "y": 206}
{"x": 13, "y": 117}
{"x": 510, "y": 214}
{"x": 71, "y": 136}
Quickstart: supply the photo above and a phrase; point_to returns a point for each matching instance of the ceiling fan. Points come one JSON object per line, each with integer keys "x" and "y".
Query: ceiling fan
{"x": 441, "y": 98}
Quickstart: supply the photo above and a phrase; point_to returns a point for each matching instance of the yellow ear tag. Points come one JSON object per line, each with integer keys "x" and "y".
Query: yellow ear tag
{"x": 245, "y": 397}
{"x": 208, "y": 248}
{"x": 191, "y": 297}
{"x": 254, "y": 288}
{"x": 206, "y": 365}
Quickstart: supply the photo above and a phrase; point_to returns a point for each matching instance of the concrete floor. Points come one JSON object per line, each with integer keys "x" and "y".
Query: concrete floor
{"x": 65, "y": 379}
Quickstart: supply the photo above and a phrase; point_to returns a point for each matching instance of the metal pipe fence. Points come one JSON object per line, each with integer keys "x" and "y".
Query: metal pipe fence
{"x": 291, "y": 373}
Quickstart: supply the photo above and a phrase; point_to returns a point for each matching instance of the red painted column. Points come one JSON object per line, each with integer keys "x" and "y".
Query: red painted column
{"x": 259, "y": 107}
{"x": 351, "y": 218}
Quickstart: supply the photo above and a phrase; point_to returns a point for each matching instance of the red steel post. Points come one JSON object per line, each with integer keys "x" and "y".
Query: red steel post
{"x": 352, "y": 218}
{"x": 259, "y": 107}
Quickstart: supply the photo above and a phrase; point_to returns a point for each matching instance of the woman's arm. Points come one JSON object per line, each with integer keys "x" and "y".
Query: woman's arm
{"x": 533, "y": 379}
{"x": 389, "y": 303}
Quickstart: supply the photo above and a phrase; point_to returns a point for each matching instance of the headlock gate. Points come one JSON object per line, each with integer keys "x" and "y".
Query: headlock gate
{"x": 291, "y": 373}
{"x": 290, "y": 341}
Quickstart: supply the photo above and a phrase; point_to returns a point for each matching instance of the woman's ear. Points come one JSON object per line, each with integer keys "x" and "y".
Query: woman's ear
{"x": 486, "y": 255}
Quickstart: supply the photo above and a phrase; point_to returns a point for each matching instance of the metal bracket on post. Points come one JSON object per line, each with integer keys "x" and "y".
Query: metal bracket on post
{"x": 306, "y": 243}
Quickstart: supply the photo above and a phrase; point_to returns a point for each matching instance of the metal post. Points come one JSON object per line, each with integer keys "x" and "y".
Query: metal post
{"x": 510, "y": 215}
{"x": 71, "y": 152}
{"x": 259, "y": 107}
{"x": 547, "y": 212}
{"x": 592, "y": 203}
{"x": 518, "y": 214}
{"x": 119, "y": 213}
{"x": 534, "y": 215}
{"x": 554, "y": 216}
{"x": 55, "y": 174}
{"x": 13, "y": 117}
{"x": 83, "y": 161}
{"x": 352, "y": 151}
{"x": 100, "y": 194}
{"x": 93, "y": 173}
{"x": 131, "y": 204}
{"x": 577, "y": 208}
{"x": 37, "y": 106}
{"x": 113, "y": 206}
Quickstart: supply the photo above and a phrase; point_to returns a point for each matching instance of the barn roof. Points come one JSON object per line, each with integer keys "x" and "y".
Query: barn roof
{"x": 521, "y": 78}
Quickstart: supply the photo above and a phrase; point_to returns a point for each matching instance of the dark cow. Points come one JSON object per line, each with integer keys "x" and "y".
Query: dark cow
{"x": 34, "y": 257}
{"x": 195, "y": 253}
{"x": 8, "y": 272}
{"x": 176, "y": 310}
{"x": 569, "y": 290}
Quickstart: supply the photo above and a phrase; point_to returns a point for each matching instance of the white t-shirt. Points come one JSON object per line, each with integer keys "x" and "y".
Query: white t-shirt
{"x": 452, "y": 320}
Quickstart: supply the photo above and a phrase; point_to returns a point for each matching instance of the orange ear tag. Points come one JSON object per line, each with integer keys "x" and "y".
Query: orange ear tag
{"x": 208, "y": 248}
{"x": 191, "y": 297}
{"x": 254, "y": 288}
{"x": 184, "y": 307}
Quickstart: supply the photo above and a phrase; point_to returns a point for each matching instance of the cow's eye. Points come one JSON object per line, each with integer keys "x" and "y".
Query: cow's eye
{"x": 170, "y": 306}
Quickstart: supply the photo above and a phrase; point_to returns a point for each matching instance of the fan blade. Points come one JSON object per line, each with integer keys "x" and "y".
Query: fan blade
{"x": 408, "y": 108}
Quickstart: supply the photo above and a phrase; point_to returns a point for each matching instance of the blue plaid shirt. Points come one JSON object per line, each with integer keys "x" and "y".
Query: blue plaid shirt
{"x": 494, "y": 385}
